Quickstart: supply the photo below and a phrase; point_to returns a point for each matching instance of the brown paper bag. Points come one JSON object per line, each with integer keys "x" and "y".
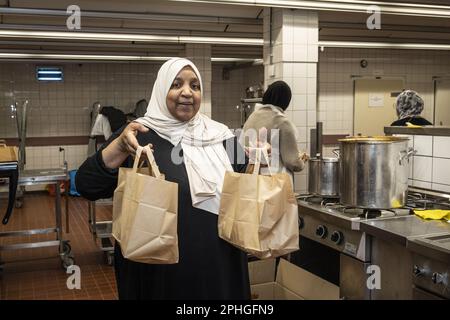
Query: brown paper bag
{"x": 145, "y": 214}
{"x": 259, "y": 214}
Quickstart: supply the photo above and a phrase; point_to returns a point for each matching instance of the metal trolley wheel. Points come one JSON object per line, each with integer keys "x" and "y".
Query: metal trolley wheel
{"x": 109, "y": 257}
{"x": 66, "y": 258}
{"x": 18, "y": 204}
{"x": 66, "y": 248}
{"x": 67, "y": 261}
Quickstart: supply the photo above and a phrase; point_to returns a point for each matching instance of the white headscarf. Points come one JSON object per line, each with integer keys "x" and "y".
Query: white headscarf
{"x": 201, "y": 139}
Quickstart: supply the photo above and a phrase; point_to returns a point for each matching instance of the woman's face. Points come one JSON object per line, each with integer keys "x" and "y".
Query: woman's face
{"x": 184, "y": 97}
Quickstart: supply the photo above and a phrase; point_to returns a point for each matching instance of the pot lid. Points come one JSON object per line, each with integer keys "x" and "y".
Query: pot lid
{"x": 373, "y": 139}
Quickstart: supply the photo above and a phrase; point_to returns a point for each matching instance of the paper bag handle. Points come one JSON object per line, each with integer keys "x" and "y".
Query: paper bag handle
{"x": 154, "y": 170}
{"x": 257, "y": 165}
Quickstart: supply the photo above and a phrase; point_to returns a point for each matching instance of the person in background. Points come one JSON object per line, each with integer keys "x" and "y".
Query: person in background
{"x": 139, "y": 110}
{"x": 208, "y": 267}
{"x": 409, "y": 106}
{"x": 270, "y": 115}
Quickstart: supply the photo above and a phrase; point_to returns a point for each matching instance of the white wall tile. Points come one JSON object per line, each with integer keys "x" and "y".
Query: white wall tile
{"x": 411, "y": 167}
{"x": 300, "y": 70}
{"x": 423, "y": 145}
{"x": 336, "y": 66}
{"x": 441, "y": 171}
{"x": 300, "y": 183}
{"x": 440, "y": 187}
{"x": 299, "y": 118}
{"x": 421, "y": 184}
{"x": 299, "y": 102}
{"x": 312, "y": 118}
{"x": 422, "y": 168}
{"x": 410, "y": 141}
{"x": 441, "y": 147}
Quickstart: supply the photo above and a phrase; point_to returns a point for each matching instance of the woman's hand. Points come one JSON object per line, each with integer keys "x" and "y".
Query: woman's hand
{"x": 304, "y": 156}
{"x": 123, "y": 146}
{"x": 127, "y": 140}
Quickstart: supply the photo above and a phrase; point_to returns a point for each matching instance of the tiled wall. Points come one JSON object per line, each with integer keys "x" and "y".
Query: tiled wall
{"x": 431, "y": 164}
{"x": 291, "y": 54}
{"x": 63, "y": 109}
{"x": 200, "y": 54}
{"x": 337, "y": 66}
{"x": 227, "y": 94}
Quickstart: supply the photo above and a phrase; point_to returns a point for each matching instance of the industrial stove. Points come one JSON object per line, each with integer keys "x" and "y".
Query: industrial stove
{"x": 337, "y": 243}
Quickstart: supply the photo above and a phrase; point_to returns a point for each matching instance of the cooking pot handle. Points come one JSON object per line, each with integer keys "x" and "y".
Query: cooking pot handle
{"x": 406, "y": 154}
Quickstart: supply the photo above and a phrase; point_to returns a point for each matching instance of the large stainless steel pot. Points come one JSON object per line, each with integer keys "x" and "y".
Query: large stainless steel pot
{"x": 324, "y": 177}
{"x": 374, "y": 171}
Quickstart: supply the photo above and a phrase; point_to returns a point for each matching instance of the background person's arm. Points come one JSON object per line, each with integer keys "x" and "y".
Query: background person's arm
{"x": 289, "y": 152}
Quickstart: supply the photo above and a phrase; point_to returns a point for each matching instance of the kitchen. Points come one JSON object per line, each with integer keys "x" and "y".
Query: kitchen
{"x": 345, "y": 74}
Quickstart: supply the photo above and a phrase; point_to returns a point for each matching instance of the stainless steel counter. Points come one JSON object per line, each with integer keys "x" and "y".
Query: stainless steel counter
{"x": 434, "y": 246}
{"x": 42, "y": 176}
{"x": 400, "y": 229}
{"x": 425, "y": 131}
{"x": 329, "y": 215}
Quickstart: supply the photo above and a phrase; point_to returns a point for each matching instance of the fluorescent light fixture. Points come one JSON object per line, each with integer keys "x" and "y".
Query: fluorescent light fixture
{"x": 409, "y": 9}
{"x": 49, "y": 73}
{"x": 255, "y": 61}
{"x": 383, "y": 45}
{"x": 96, "y": 36}
{"x": 45, "y": 56}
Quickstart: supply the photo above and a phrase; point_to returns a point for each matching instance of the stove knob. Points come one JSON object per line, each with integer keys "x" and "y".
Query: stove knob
{"x": 301, "y": 222}
{"x": 418, "y": 271}
{"x": 437, "y": 278}
{"x": 337, "y": 237}
{"x": 321, "y": 231}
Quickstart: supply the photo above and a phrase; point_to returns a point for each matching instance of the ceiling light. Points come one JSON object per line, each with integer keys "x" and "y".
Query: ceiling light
{"x": 409, "y": 9}
{"x": 95, "y": 36}
{"x": 45, "y": 56}
{"x": 384, "y": 45}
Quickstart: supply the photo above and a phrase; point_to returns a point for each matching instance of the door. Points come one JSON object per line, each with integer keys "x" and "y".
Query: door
{"x": 442, "y": 103}
{"x": 374, "y": 105}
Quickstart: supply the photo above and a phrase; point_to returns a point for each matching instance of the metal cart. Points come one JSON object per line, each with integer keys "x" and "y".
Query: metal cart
{"x": 102, "y": 230}
{"x": 52, "y": 177}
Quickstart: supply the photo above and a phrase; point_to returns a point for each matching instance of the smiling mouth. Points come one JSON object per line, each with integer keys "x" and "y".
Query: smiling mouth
{"x": 184, "y": 104}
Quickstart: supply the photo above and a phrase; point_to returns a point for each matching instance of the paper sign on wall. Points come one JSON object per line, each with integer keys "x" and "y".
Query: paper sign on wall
{"x": 376, "y": 100}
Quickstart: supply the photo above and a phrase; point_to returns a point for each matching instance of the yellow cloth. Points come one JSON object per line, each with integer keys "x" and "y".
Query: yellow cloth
{"x": 435, "y": 214}
{"x": 410, "y": 125}
{"x": 396, "y": 204}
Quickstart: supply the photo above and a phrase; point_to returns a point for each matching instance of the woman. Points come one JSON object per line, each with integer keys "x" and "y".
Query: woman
{"x": 271, "y": 116}
{"x": 409, "y": 106}
{"x": 208, "y": 268}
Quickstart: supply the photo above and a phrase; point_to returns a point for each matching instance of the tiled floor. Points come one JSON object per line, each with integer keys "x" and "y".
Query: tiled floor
{"x": 37, "y": 273}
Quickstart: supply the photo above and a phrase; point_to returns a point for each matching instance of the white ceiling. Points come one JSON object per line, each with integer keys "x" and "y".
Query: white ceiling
{"x": 183, "y": 19}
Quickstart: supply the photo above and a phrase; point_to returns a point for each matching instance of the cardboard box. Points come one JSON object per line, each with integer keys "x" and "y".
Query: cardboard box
{"x": 291, "y": 282}
{"x": 7, "y": 154}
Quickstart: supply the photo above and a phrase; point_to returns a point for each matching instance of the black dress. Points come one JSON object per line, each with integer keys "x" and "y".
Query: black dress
{"x": 418, "y": 121}
{"x": 208, "y": 268}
